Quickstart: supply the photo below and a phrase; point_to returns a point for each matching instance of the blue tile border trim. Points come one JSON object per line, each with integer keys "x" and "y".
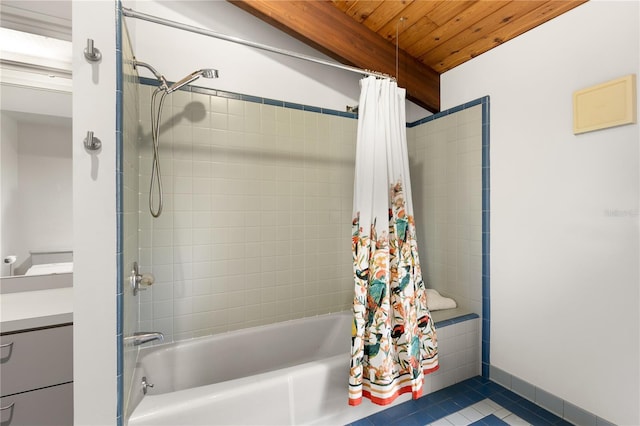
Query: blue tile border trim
{"x": 456, "y": 320}
{"x": 266, "y": 101}
{"x": 542, "y": 403}
{"x": 486, "y": 234}
{"x": 255, "y": 99}
{"x": 479, "y": 101}
{"x": 486, "y": 237}
{"x": 119, "y": 218}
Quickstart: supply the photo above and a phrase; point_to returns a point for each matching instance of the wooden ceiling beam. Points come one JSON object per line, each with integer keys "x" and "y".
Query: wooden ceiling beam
{"x": 326, "y": 28}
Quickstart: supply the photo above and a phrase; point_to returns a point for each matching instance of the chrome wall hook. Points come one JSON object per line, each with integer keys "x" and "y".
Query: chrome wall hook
{"x": 91, "y": 143}
{"x": 91, "y": 53}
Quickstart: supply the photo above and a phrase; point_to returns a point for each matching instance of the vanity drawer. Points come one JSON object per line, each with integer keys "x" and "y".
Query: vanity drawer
{"x": 50, "y": 406}
{"x": 36, "y": 359}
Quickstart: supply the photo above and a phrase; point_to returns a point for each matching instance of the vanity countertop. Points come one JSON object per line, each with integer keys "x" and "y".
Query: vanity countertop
{"x": 34, "y": 309}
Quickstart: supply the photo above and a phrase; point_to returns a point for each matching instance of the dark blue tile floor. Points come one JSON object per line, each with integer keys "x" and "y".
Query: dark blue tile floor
{"x": 476, "y": 401}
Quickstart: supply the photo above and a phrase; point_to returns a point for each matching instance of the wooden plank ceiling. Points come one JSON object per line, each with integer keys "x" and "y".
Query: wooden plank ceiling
{"x": 412, "y": 40}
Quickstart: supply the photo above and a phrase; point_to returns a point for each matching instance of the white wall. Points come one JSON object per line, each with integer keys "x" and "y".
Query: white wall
{"x": 242, "y": 69}
{"x": 44, "y": 187}
{"x": 564, "y": 210}
{"x": 9, "y": 186}
{"x": 94, "y": 212}
{"x": 36, "y": 185}
{"x": 36, "y": 101}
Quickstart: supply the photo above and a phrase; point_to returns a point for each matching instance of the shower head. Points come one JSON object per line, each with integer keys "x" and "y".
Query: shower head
{"x": 206, "y": 73}
{"x": 209, "y": 73}
{"x": 163, "y": 82}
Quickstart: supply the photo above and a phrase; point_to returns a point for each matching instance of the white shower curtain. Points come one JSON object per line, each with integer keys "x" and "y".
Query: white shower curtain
{"x": 393, "y": 338}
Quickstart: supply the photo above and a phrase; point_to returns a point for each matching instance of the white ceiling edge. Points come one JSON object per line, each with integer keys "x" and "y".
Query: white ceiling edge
{"x": 41, "y": 78}
{"x": 31, "y": 88}
{"x": 24, "y": 47}
{"x": 46, "y": 18}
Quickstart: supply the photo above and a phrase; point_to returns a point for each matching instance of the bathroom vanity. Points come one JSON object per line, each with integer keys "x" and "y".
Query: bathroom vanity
{"x": 36, "y": 350}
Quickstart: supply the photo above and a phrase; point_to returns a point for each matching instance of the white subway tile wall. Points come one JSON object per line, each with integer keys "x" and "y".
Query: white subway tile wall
{"x": 130, "y": 242}
{"x": 445, "y": 157}
{"x": 257, "y": 211}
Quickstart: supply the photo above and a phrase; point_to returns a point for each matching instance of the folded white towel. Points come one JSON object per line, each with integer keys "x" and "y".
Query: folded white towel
{"x": 50, "y": 268}
{"x": 436, "y": 302}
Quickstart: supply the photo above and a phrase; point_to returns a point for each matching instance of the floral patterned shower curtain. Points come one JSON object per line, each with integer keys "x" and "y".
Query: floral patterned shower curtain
{"x": 393, "y": 337}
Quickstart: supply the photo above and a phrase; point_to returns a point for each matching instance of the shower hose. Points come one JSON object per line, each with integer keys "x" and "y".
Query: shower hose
{"x": 156, "y": 177}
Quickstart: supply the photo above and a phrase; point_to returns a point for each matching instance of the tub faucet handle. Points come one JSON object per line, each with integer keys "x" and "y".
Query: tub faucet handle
{"x": 146, "y": 280}
{"x": 140, "y": 281}
{"x": 145, "y": 385}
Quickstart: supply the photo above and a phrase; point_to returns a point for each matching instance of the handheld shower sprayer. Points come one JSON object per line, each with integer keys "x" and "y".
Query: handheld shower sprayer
{"x": 206, "y": 73}
{"x": 164, "y": 85}
{"x": 156, "y": 113}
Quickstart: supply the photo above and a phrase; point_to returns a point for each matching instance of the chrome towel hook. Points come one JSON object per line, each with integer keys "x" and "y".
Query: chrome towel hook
{"x": 91, "y": 143}
{"x": 92, "y": 54}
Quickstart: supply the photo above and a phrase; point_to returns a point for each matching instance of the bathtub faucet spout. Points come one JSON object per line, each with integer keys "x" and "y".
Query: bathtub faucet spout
{"x": 141, "y": 337}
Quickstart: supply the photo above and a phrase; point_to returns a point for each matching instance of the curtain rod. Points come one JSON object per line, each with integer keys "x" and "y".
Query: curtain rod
{"x": 157, "y": 20}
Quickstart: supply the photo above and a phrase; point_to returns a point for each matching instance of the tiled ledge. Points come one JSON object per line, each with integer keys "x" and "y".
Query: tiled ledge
{"x": 458, "y": 349}
{"x": 452, "y": 316}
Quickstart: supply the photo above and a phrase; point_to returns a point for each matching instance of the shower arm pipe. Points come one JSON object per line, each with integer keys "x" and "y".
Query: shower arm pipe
{"x": 130, "y": 13}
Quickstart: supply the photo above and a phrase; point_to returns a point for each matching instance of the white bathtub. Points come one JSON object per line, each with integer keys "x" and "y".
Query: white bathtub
{"x": 289, "y": 373}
